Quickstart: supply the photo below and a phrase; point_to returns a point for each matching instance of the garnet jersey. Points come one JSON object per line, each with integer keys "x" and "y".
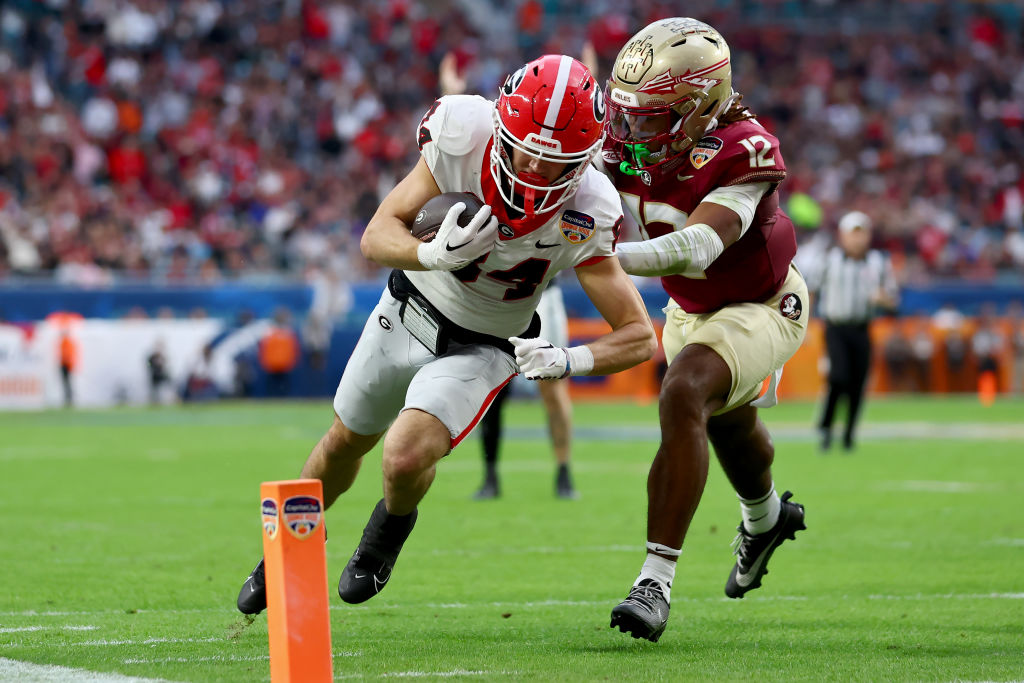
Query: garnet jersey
{"x": 498, "y": 293}
{"x": 755, "y": 266}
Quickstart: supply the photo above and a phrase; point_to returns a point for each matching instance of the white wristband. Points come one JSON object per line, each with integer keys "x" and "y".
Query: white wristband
{"x": 580, "y": 360}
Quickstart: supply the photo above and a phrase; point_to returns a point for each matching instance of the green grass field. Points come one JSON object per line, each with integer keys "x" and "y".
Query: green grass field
{"x": 126, "y": 535}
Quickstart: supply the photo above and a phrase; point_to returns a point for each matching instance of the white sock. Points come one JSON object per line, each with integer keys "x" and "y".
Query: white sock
{"x": 761, "y": 514}
{"x": 661, "y": 570}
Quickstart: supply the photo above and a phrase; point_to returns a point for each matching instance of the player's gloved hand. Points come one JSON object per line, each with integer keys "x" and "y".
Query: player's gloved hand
{"x": 456, "y": 246}
{"x": 539, "y": 359}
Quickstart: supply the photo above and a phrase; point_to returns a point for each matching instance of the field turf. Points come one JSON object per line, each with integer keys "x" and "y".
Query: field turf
{"x": 127, "y": 533}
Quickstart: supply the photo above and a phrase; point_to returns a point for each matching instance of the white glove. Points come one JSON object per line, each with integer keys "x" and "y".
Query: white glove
{"x": 539, "y": 359}
{"x": 455, "y": 246}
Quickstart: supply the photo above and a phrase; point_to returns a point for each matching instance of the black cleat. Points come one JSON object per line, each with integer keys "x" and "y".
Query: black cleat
{"x": 252, "y": 599}
{"x": 754, "y": 550}
{"x": 644, "y": 613}
{"x": 371, "y": 565}
{"x": 563, "y": 484}
{"x": 489, "y": 490}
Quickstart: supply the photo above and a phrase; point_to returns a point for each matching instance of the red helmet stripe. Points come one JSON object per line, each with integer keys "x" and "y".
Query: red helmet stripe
{"x": 557, "y": 94}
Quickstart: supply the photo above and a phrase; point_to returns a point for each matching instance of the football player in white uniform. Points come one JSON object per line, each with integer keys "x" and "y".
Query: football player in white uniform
{"x": 457, "y": 320}
{"x": 554, "y": 326}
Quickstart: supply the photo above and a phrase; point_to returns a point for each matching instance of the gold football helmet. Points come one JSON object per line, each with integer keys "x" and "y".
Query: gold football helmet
{"x": 669, "y": 84}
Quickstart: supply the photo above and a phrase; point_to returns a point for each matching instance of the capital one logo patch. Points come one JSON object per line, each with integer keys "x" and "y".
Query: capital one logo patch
{"x": 268, "y": 510}
{"x": 705, "y": 150}
{"x": 576, "y": 227}
{"x": 301, "y": 515}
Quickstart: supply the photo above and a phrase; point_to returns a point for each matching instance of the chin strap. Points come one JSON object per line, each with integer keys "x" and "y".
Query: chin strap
{"x": 722, "y": 108}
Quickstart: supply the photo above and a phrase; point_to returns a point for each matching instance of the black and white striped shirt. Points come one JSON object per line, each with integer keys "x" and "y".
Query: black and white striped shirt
{"x": 847, "y": 286}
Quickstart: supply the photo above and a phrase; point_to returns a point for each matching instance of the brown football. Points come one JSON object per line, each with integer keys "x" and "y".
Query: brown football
{"x": 429, "y": 219}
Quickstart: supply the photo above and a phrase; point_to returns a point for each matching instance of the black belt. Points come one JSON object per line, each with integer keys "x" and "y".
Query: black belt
{"x": 402, "y": 288}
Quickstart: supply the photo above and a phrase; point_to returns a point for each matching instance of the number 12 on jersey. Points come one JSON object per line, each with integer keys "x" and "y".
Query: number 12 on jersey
{"x": 758, "y": 147}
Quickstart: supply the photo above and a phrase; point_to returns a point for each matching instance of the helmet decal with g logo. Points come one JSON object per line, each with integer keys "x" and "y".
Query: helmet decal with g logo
{"x": 513, "y": 81}
{"x": 599, "y": 105}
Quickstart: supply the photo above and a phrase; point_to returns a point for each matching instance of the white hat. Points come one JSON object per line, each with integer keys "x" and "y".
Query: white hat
{"x": 854, "y": 220}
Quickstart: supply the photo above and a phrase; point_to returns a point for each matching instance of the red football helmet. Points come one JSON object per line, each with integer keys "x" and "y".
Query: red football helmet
{"x": 551, "y": 109}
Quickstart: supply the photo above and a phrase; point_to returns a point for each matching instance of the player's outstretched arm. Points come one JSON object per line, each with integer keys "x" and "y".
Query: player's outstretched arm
{"x": 387, "y": 240}
{"x": 632, "y": 339}
{"x": 710, "y": 229}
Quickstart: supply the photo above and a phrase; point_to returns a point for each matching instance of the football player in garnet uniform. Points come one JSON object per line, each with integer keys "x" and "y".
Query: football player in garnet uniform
{"x": 699, "y": 174}
{"x": 457, "y": 320}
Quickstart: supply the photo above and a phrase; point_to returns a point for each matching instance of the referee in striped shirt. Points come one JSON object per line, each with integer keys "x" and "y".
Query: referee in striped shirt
{"x": 853, "y": 284}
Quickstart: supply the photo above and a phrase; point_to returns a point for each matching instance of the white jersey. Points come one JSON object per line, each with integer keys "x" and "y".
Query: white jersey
{"x": 498, "y": 293}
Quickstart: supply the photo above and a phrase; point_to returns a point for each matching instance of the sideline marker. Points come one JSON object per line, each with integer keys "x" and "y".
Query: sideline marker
{"x": 988, "y": 387}
{"x": 298, "y": 620}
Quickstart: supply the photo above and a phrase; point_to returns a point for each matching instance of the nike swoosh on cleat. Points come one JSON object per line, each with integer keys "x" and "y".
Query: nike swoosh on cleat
{"x": 745, "y": 579}
{"x": 449, "y": 247}
{"x": 541, "y": 245}
{"x": 359, "y": 576}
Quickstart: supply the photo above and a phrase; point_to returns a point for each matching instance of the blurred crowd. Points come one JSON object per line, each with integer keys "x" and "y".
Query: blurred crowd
{"x": 205, "y": 139}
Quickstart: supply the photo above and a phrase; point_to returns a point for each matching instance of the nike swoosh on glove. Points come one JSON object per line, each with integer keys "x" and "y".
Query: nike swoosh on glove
{"x": 539, "y": 359}
{"x": 456, "y": 246}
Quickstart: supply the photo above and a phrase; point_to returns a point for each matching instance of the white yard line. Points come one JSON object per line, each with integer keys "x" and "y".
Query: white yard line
{"x": 951, "y": 596}
{"x": 467, "y": 605}
{"x": 85, "y": 613}
{"x": 116, "y": 643}
{"x": 192, "y": 660}
{"x": 441, "y": 674}
{"x": 68, "y": 627}
{"x": 1016, "y": 542}
{"x": 425, "y": 674}
{"x": 147, "y": 641}
{"x": 924, "y": 486}
{"x": 800, "y": 432}
{"x": 26, "y": 672}
{"x": 217, "y": 658}
{"x": 538, "y": 550}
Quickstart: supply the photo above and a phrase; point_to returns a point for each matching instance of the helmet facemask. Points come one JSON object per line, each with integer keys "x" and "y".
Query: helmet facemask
{"x": 529, "y": 193}
{"x": 649, "y": 137}
{"x": 551, "y": 110}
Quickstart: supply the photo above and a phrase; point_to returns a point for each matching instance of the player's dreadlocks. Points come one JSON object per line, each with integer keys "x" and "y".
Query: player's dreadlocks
{"x": 736, "y": 112}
